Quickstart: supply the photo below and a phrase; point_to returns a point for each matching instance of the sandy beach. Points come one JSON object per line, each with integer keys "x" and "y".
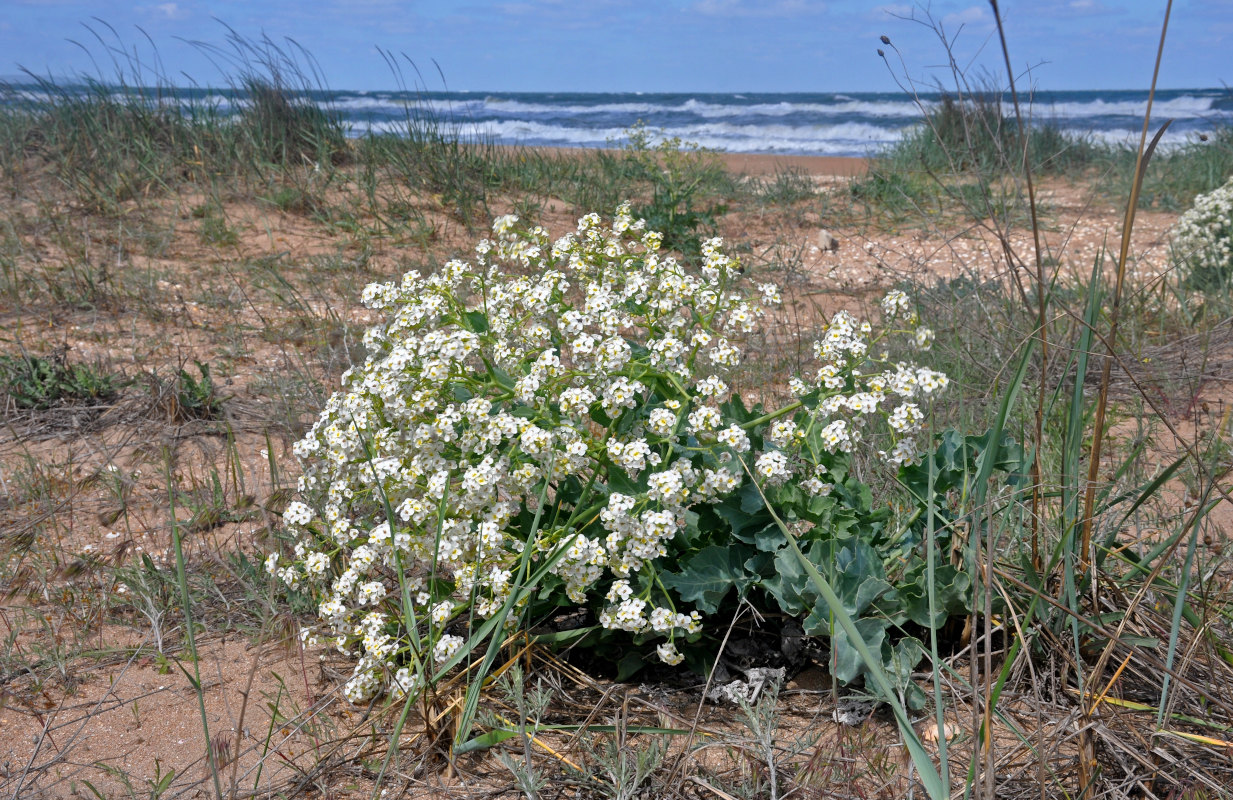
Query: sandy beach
{"x": 769, "y": 164}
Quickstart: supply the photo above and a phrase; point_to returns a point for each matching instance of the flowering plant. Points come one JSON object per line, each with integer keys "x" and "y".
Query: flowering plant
{"x": 551, "y": 428}
{"x": 1203, "y": 239}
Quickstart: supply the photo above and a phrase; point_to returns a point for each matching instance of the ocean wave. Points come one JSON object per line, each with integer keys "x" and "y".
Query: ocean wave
{"x": 1095, "y": 110}
{"x": 1124, "y": 138}
{"x": 841, "y": 139}
{"x": 1186, "y": 106}
{"x": 706, "y": 109}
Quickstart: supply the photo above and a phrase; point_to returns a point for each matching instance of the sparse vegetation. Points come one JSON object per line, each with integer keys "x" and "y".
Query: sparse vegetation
{"x": 31, "y": 381}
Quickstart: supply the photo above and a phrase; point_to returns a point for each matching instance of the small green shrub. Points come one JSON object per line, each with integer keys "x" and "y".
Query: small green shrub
{"x": 547, "y": 431}
{"x": 294, "y": 200}
{"x": 678, "y": 172}
{"x": 44, "y": 381}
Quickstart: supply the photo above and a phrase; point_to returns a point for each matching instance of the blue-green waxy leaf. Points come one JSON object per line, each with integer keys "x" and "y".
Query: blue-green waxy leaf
{"x": 846, "y": 662}
{"x": 789, "y": 584}
{"x": 856, "y": 593}
{"x": 751, "y": 500}
{"x": 629, "y": 665}
{"x": 707, "y": 577}
{"x": 952, "y": 593}
{"x": 740, "y": 520}
{"x": 485, "y": 741}
{"x": 769, "y": 539}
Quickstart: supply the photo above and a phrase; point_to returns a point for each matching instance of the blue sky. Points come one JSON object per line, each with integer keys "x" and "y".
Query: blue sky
{"x": 643, "y": 45}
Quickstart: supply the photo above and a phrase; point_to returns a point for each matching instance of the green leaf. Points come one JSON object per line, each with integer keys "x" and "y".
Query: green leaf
{"x": 952, "y": 592}
{"x": 769, "y": 539}
{"x": 789, "y": 583}
{"x": 559, "y": 638}
{"x": 707, "y": 577}
{"x": 846, "y": 662}
{"x": 629, "y": 665}
{"x": 751, "y": 500}
{"x": 477, "y": 321}
{"x": 739, "y": 519}
{"x": 734, "y": 408}
{"x": 485, "y": 741}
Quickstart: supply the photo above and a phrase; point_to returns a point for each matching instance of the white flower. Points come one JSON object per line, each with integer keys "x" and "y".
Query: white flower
{"x": 661, "y": 422}
{"x": 705, "y": 418}
{"x": 836, "y": 437}
{"x": 816, "y": 488}
{"x": 736, "y": 438}
{"x": 577, "y": 400}
{"x": 447, "y": 646}
{"x": 773, "y": 467}
{"x": 906, "y": 418}
{"x": 297, "y": 514}
{"x": 896, "y": 305}
{"x": 904, "y": 452}
{"x": 668, "y": 654}
{"x": 783, "y": 432}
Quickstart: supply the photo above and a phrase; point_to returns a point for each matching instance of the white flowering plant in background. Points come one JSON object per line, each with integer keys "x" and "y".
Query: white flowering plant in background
{"x": 550, "y": 429}
{"x": 1203, "y": 240}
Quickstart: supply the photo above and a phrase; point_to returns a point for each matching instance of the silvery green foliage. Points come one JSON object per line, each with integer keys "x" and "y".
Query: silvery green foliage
{"x": 1203, "y": 239}
{"x": 584, "y": 379}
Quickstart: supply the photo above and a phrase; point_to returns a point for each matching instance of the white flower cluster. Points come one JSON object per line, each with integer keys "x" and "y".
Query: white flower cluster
{"x": 1203, "y": 237}
{"x": 540, "y": 378}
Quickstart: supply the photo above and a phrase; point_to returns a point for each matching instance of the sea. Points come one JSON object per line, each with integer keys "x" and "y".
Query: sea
{"x": 823, "y": 123}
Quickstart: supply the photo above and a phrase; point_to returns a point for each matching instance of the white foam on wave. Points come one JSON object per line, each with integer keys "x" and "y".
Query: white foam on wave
{"x": 706, "y": 109}
{"x": 509, "y": 106}
{"x": 867, "y": 108}
{"x": 390, "y": 104}
{"x": 1122, "y": 138}
{"x": 1184, "y": 107}
{"x": 842, "y": 139}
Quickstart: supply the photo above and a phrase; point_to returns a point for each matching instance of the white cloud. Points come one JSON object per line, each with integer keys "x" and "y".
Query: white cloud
{"x": 167, "y": 10}
{"x": 755, "y": 8}
{"x": 972, "y": 16}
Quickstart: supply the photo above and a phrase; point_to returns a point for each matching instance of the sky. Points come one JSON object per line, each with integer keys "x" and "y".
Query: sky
{"x": 635, "y": 45}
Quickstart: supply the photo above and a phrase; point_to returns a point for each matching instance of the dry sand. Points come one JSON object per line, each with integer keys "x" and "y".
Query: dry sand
{"x": 818, "y": 166}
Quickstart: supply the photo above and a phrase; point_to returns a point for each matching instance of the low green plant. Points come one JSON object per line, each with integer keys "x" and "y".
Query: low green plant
{"x": 295, "y": 200}
{"x": 625, "y": 768}
{"x": 1179, "y": 174}
{"x": 150, "y": 591}
{"x": 42, "y": 381}
{"x": 529, "y": 707}
{"x": 196, "y": 397}
{"x": 677, "y": 171}
{"x": 971, "y": 130}
{"x": 786, "y": 187}
{"x": 214, "y": 230}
